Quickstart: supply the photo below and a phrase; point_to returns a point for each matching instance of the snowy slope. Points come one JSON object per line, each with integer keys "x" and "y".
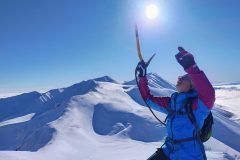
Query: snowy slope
{"x": 93, "y": 116}
{"x": 228, "y": 98}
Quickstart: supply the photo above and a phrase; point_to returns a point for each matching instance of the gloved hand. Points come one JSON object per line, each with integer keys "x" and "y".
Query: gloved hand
{"x": 141, "y": 69}
{"x": 184, "y": 58}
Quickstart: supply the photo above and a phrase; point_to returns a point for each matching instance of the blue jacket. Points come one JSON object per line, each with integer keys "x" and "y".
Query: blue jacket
{"x": 179, "y": 126}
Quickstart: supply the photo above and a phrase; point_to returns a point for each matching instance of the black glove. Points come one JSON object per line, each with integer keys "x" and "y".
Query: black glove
{"x": 141, "y": 69}
{"x": 184, "y": 58}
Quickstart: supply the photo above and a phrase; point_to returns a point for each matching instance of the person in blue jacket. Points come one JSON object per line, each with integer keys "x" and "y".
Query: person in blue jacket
{"x": 181, "y": 142}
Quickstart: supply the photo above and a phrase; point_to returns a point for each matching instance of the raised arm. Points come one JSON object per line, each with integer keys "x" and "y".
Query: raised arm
{"x": 146, "y": 94}
{"x": 201, "y": 83}
{"x": 157, "y": 103}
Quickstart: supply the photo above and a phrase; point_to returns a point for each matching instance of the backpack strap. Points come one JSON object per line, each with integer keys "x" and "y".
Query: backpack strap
{"x": 188, "y": 107}
{"x": 169, "y": 109}
{"x": 192, "y": 118}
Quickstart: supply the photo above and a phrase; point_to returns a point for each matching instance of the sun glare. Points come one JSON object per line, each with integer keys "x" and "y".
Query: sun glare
{"x": 152, "y": 11}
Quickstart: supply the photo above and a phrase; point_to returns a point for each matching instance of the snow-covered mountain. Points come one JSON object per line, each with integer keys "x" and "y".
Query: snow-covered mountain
{"x": 96, "y": 119}
{"x": 155, "y": 81}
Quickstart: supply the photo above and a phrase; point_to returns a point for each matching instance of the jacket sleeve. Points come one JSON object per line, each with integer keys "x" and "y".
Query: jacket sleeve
{"x": 204, "y": 88}
{"x": 157, "y": 103}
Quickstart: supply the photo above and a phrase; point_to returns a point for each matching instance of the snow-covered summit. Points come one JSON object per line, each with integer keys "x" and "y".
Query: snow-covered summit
{"x": 106, "y": 79}
{"x": 158, "y": 82}
{"x": 154, "y": 81}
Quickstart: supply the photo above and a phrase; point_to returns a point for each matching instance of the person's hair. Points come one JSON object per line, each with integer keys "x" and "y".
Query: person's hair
{"x": 186, "y": 77}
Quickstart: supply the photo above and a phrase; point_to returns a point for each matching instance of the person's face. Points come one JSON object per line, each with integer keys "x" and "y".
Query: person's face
{"x": 183, "y": 84}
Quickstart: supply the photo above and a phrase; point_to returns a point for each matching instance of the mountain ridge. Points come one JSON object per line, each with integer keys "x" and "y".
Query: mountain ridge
{"x": 96, "y": 110}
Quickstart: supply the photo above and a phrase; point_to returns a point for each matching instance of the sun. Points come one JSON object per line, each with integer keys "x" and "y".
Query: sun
{"x": 152, "y": 11}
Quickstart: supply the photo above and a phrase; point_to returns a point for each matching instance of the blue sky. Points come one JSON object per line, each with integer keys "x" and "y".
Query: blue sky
{"x": 49, "y": 44}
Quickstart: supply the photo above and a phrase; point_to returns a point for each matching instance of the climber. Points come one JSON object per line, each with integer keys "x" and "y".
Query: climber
{"x": 182, "y": 141}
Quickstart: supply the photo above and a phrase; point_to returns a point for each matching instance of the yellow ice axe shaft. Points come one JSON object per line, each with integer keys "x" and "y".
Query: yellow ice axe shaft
{"x": 146, "y": 64}
{"x": 139, "y": 50}
{"x": 138, "y": 44}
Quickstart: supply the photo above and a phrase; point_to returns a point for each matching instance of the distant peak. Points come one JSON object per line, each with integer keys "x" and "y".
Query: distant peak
{"x": 154, "y": 80}
{"x": 33, "y": 93}
{"x": 153, "y": 74}
{"x": 105, "y": 79}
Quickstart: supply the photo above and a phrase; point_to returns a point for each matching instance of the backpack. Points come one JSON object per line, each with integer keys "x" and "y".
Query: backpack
{"x": 206, "y": 131}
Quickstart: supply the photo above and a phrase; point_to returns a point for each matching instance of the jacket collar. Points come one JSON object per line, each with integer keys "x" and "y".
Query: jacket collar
{"x": 191, "y": 94}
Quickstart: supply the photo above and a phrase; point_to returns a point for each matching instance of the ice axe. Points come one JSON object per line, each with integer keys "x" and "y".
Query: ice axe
{"x": 139, "y": 50}
{"x": 141, "y": 59}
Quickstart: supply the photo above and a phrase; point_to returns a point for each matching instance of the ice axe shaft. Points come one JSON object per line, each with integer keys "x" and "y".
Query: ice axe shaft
{"x": 148, "y": 62}
{"x": 138, "y": 44}
{"x": 139, "y": 49}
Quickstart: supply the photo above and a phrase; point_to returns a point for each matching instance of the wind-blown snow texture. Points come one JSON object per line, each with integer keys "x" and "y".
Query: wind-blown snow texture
{"x": 98, "y": 119}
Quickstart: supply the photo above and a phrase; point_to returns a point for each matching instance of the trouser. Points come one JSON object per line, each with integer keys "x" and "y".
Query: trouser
{"x": 158, "y": 155}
